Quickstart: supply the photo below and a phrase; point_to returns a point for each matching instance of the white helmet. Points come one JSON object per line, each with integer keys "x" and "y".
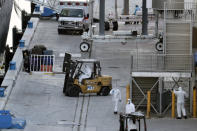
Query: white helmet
{"x": 180, "y": 88}
{"x": 129, "y": 101}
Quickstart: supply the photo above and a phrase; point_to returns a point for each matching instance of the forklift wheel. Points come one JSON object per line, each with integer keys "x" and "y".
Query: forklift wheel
{"x": 115, "y": 26}
{"x": 60, "y": 31}
{"x": 104, "y": 91}
{"x": 107, "y": 26}
{"x": 84, "y": 47}
{"x": 74, "y": 91}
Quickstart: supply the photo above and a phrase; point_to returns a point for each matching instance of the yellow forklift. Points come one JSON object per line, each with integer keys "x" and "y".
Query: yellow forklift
{"x": 97, "y": 83}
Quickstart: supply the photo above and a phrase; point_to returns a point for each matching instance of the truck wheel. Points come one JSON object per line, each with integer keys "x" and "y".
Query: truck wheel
{"x": 84, "y": 47}
{"x": 159, "y": 46}
{"x": 74, "y": 91}
{"x": 107, "y": 26}
{"x": 104, "y": 91}
{"x": 59, "y": 31}
{"x": 115, "y": 25}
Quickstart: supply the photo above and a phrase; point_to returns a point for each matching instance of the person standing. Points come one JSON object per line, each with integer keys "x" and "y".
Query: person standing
{"x": 137, "y": 8}
{"x": 116, "y": 98}
{"x": 130, "y": 108}
{"x": 181, "y": 95}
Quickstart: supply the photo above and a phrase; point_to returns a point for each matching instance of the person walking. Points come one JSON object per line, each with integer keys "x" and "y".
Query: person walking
{"x": 181, "y": 95}
{"x": 116, "y": 98}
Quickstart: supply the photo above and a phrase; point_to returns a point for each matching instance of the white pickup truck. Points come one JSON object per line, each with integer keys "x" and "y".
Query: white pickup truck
{"x": 73, "y": 15}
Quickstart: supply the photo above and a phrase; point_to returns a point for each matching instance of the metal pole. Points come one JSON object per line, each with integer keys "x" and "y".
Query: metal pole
{"x": 102, "y": 18}
{"x": 148, "y": 104}
{"x": 194, "y": 103}
{"x": 156, "y": 23}
{"x": 126, "y": 7}
{"x": 116, "y": 12}
{"x": 144, "y": 18}
{"x": 173, "y": 105}
{"x": 127, "y": 92}
{"x": 91, "y": 17}
{"x": 160, "y": 94}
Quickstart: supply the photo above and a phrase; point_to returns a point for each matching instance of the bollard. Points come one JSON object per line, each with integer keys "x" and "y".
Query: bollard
{"x": 194, "y": 103}
{"x": 30, "y": 24}
{"x": 173, "y": 105}
{"x": 2, "y": 92}
{"x": 12, "y": 65}
{"x": 22, "y": 43}
{"x": 148, "y": 104}
{"x": 127, "y": 92}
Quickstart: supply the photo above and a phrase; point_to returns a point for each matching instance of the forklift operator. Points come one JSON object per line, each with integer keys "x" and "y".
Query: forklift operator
{"x": 86, "y": 73}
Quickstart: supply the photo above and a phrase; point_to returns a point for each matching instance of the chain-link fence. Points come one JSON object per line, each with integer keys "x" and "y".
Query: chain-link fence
{"x": 161, "y": 63}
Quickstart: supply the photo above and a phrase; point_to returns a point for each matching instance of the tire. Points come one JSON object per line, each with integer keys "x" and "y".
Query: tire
{"x": 104, "y": 91}
{"x": 67, "y": 91}
{"x": 115, "y": 26}
{"x": 74, "y": 91}
{"x": 159, "y": 46}
{"x": 84, "y": 47}
{"x": 59, "y": 31}
{"x": 107, "y": 26}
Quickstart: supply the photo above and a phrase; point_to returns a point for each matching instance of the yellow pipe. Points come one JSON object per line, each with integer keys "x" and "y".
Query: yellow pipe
{"x": 173, "y": 105}
{"x": 194, "y": 102}
{"x": 127, "y": 92}
{"x": 148, "y": 104}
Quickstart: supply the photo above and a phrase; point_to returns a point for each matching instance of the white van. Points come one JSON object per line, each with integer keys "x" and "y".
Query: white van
{"x": 73, "y": 15}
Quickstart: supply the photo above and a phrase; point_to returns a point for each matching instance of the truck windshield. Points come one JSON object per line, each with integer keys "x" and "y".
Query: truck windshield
{"x": 72, "y": 13}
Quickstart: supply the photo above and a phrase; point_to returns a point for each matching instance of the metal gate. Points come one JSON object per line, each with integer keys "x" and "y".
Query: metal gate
{"x": 42, "y": 63}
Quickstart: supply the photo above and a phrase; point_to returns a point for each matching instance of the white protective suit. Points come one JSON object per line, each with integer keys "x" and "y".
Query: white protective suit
{"x": 116, "y": 98}
{"x": 86, "y": 73}
{"x": 181, "y": 94}
{"x": 130, "y": 107}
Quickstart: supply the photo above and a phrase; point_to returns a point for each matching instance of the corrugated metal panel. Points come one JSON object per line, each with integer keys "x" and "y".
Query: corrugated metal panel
{"x": 177, "y": 42}
{"x": 159, "y": 4}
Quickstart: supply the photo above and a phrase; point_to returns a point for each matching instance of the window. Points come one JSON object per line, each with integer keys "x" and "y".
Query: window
{"x": 72, "y": 13}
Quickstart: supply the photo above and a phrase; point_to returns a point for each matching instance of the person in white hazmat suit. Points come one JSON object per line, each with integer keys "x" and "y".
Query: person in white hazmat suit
{"x": 116, "y": 98}
{"x": 130, "y": 107}
{"x": 180, "y": 94}
{"x": 86, "y": 73}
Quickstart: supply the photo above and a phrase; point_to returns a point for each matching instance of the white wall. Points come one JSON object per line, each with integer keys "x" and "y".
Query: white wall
{"x": 16, "y": 18}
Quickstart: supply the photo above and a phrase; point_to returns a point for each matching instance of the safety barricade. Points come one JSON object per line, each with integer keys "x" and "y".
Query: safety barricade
{"x": 42, "y": 63}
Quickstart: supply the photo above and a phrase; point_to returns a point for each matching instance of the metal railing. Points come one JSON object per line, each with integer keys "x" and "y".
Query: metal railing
{"x": 161, "y": 63}
{"x": 42, "y": 63}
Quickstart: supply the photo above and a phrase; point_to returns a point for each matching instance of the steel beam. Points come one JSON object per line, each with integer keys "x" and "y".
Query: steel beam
{"x": 144, "y": 18}
{"x": 126, "y": 7}
{"x": 102, "y": 17}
